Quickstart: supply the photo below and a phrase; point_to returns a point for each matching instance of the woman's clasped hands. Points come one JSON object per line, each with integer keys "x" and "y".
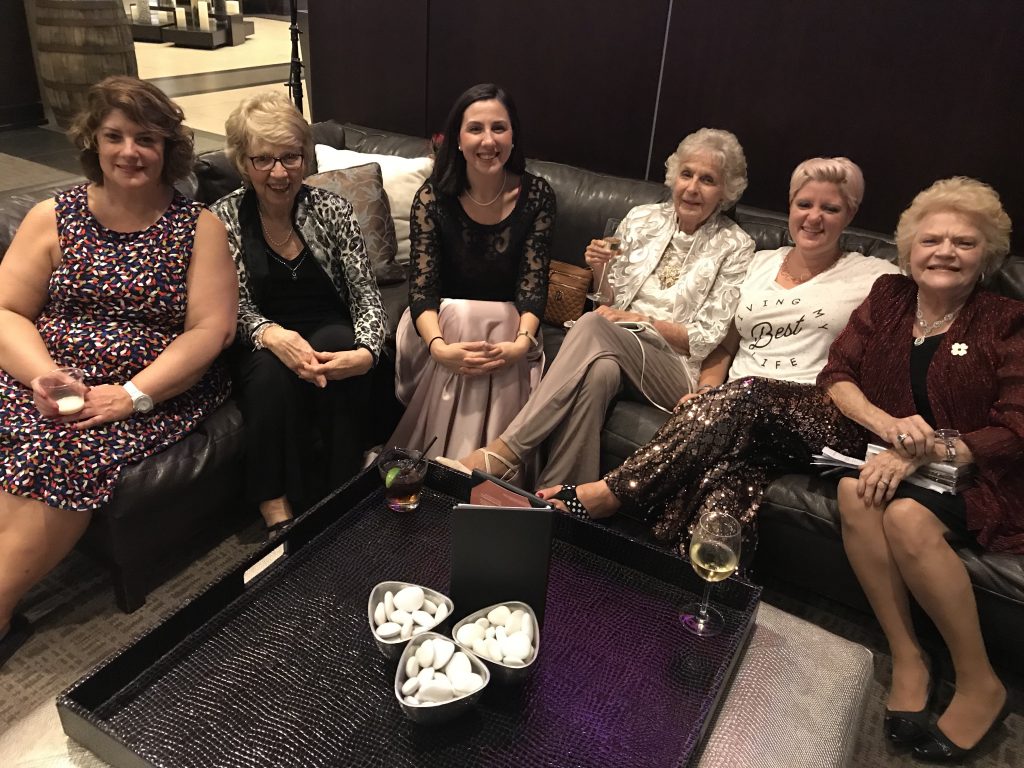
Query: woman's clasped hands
{"x": 479, "y": 358}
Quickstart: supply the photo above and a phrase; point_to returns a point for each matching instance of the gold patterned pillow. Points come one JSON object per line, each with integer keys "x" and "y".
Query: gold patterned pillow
{"x": 363, "y": 186}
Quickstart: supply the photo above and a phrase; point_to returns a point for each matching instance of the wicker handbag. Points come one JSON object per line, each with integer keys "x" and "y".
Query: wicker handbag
{"x": 567, "y": 292}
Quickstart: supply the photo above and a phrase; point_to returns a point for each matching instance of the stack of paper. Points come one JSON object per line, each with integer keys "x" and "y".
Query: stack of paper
{"x": 937, "y": 476}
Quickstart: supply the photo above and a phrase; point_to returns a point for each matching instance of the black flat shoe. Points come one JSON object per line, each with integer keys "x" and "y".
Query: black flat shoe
{"x": 20, "y": 631}
{"x": 575, "y": 507}
{"x": 937, "y": 748}
{"x": 905, "y": 728}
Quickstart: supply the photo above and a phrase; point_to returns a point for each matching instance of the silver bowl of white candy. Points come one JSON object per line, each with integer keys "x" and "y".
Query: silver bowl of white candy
{"x": 437, "y": 681}
{"x": 504, "y": 636}
{"x": 399, "y": 611}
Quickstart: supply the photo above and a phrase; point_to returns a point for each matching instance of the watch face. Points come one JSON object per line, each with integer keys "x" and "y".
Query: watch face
{"x": 143, "y": 404}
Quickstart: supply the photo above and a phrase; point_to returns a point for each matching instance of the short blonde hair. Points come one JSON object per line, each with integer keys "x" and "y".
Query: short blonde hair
{"x": 841, "y": 171}
{"x": 269, "y": 117}
{"x": 968, "y": 197}
{"x": 725, "y": 148}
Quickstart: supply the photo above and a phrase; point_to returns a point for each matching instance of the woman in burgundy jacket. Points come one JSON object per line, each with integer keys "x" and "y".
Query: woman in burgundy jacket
{"x": 926, "y": 352}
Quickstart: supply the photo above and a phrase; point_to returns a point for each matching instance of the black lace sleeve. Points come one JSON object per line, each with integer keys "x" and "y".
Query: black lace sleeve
{"x": 532, "y": 290}
{"x": 425, "y": 252}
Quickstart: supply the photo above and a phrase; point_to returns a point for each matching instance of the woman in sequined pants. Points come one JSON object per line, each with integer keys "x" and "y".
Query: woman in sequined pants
{"x": 720, "y": 451}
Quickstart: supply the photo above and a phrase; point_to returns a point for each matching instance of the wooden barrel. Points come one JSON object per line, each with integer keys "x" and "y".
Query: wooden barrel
{"x": 78, "y": 43}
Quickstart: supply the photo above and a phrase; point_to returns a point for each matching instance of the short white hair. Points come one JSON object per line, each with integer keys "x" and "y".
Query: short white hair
{"x": 725, "y": 148}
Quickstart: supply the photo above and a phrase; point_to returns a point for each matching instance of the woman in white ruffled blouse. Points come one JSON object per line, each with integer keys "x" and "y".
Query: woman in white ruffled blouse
{"x": 676, "y": 280}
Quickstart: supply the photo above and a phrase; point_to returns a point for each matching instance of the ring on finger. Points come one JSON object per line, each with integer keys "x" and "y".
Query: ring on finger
{"x": 901, "y": 437}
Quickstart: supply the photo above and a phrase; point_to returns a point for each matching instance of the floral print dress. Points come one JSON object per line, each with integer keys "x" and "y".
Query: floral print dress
{"x": 115, "y": 302}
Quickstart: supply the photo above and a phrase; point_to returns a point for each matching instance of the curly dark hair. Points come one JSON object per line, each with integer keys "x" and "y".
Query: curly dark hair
{"x": 142, "y": 103}
{"x": 449, "y": 175}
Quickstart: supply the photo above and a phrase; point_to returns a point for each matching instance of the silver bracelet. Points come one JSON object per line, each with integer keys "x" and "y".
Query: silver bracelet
{"x": 257, "y": 338}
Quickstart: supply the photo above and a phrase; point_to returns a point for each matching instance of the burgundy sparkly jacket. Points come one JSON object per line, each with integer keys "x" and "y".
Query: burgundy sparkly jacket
{"x": 975, "y": 385}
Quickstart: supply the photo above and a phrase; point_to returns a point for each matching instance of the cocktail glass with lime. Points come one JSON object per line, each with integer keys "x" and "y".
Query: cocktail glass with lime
{"x": 402, "y": 470}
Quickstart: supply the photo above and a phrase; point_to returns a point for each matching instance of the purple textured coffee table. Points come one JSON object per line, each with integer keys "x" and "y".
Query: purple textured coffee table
{"x": 286, "y": 673}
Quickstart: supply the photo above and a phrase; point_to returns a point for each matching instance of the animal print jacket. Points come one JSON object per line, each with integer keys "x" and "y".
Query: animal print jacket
{"x": 328, "y": 227}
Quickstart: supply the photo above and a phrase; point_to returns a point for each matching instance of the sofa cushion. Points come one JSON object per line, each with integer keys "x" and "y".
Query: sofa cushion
{"x": 363, "y": 139}
{"x": 396, "y": 299}
{"x": 586, "y": 200}
{"x": 363, "y": 187}
{"x": 215, "y": 175}
{"x": 16, "y": 203}
{"x": 402, "y": 178}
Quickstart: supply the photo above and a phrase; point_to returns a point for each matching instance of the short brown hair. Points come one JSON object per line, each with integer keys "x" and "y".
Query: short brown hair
{"x": 142, "y": 103}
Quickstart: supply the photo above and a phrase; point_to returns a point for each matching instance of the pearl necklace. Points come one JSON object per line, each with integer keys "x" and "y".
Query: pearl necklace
{"x": 492, "y": 202}
{"x": 784, "y": 271}
{"x": 928, "y": 328}
{"x": 270, "y": 238}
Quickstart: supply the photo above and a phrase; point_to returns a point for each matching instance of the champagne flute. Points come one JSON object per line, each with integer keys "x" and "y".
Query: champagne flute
{"x": 714, "y": 555}
{"x": 614, "y": 243}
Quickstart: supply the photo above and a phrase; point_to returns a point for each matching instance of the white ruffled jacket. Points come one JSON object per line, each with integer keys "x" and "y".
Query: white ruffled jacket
{"x": 709, "y": 290}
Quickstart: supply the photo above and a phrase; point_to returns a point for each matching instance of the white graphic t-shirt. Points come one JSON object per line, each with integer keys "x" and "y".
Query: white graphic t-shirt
{"x": 785, "y": 333}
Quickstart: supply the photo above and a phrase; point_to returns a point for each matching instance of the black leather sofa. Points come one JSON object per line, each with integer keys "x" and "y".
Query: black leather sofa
{"x": 800, "y": 541}
{"x": 799, "y": 532}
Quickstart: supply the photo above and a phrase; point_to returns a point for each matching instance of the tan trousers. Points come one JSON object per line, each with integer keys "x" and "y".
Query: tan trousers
{"x": 568, "y": 409}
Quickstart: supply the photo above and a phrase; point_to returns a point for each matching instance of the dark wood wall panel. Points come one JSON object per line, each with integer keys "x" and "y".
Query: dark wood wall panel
{"x": 583, "y": 72}
{"x": 912, "y": 92}
{"x": 368, "y": 60}
{"x": 20, "y": 104}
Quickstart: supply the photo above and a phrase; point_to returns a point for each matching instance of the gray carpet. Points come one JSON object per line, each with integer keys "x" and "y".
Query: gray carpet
{"x": 78, "y": 625}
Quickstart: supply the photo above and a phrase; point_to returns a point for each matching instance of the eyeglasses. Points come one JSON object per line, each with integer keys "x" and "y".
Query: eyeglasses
{"x": 291, "y": 161}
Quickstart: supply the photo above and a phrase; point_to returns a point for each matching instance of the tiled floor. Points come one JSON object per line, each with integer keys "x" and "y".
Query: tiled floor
{"x": 206, "y": 84}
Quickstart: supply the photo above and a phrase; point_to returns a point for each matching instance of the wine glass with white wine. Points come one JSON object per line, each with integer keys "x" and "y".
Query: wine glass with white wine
{"x": 714, "y": 555}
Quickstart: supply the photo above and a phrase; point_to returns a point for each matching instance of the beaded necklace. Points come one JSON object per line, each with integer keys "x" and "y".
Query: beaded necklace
{"x": 928, "y": 328}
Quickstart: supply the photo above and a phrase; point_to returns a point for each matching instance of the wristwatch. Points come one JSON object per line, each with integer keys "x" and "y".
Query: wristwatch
{"x": 141, "y": 402}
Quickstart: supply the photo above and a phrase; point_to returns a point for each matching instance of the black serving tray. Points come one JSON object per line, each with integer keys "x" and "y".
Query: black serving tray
{"x": 283, "y": 671}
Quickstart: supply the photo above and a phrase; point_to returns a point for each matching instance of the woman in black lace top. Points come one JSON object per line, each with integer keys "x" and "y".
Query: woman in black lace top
{"x": 468, "y": 352}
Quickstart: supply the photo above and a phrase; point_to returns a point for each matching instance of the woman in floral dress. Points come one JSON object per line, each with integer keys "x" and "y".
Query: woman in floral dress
{"x": 129, "y": 281}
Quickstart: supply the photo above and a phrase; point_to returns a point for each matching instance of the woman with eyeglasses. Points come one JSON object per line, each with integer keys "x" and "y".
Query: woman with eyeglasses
{"x": 310, "y": 319}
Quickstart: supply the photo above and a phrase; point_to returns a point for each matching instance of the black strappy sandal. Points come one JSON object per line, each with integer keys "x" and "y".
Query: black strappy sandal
{"x": 573, "y": 505}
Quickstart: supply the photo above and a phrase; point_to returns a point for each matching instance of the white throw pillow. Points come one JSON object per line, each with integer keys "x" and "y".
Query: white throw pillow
{"x": 403, "y": 176}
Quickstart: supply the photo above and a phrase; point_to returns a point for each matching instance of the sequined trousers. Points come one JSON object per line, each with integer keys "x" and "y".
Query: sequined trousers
{"x": 720, "y": 451}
